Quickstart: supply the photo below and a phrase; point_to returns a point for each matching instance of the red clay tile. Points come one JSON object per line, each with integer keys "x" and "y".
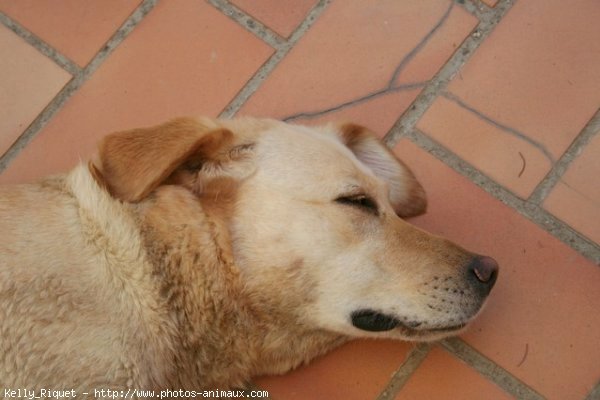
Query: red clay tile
{"x": 512, "y": 162}
{"x": 542, "y": 322}
{"x": 377, "y": 114}
{"x": 282, "y": 16}
{"x": 78, "y": 29}
{"x": 576, "y": 197}
{"x": 536, "y": 73}
{"x": 28, "y": 81}
{"x": 358, "y": 370}
{"x": 443, "y": 377}
{"x": 197, "y": 62}
{"x": 353, "y": 50}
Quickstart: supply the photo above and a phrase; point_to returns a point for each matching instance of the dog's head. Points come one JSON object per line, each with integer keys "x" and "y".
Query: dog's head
{"x": 315, "y": 218}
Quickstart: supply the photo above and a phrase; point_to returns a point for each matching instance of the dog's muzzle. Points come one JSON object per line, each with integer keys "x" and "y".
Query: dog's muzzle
{"x": 479, "y": 276}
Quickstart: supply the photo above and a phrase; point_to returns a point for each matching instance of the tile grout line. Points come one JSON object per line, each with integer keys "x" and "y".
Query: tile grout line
{"x": 455, "y": 346}
{"x": 249, "y": 23}
{"x": 405, "y": 127}
{"x": 490, "y": 370}
{"x": 391, "y": 87}
{"x": 543, "y": 189}
{"x": 412, "y": 361}
{"x": 533, "y": 212}
{"x": 595, "y": 393}
{"x": 265, "y": 70}
{"x": 503, "y": 128}
{"x": 405, "y": 123}
{"x": 73, "y": 85}
{"x": 32, "y": 39}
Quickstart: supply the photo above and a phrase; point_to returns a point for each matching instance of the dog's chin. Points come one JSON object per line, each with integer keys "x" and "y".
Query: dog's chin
{"x": 374, "y": 322}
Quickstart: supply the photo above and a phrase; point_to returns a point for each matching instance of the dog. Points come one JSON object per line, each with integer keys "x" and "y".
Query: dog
{"x": 200, "y": 253}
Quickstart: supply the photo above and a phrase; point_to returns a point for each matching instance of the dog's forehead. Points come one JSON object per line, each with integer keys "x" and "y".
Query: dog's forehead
{"x": 292, "y": 153}
{"x": 304, "y": 147}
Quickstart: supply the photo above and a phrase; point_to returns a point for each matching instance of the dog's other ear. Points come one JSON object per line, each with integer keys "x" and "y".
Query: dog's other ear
{"x": 133, "y": 163}
{"x": 407, "y": 196}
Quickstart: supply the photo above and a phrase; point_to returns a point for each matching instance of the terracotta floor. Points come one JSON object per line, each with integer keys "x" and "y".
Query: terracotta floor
{"x": 495, "y": 105}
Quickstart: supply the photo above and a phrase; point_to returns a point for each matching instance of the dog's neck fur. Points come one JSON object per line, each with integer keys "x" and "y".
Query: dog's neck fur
{"x": 202, "y": 286}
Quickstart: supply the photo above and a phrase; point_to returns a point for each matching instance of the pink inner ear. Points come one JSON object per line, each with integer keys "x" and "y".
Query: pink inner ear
{"x": 385, "y": 167}
{"x": 380, "y": 163}
{"x": 407, "y": 196}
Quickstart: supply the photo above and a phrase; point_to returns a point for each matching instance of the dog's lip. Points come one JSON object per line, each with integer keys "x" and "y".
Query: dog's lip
{"x": 375, "y": 321}
{"x": 420, "y": 332}
{"x": 448, "y": 328}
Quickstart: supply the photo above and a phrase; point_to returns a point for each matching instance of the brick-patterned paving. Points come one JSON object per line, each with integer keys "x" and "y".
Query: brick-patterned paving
{"x": 494, "y": 104}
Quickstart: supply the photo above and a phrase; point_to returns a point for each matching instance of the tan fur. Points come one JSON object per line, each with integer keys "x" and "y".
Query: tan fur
{"x": 200, "y": 253}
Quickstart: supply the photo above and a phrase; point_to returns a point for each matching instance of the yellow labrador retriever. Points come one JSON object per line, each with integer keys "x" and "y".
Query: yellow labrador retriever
{"x": 200, "y": 253}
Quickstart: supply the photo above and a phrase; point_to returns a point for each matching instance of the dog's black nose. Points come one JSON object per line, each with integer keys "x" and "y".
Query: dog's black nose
{"x": 485, "y": 269}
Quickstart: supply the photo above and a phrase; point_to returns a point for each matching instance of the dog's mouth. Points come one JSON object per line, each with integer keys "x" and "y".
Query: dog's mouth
{"x": 375, "y": 321}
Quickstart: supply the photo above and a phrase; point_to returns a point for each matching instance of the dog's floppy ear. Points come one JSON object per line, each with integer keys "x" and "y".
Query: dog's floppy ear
{"x": 407, "y": 196}
{"x": 133, "y": 163}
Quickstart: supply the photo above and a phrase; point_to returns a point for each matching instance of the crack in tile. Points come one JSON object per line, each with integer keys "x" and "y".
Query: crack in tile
{"x": 504, "y": 128}
{"x": 404, "y": 127}
{"x": 534, "y": 212}
{"x": 390, "y": 87}
{"x": 411, "y": 54}
{"x": 407, "y": 121}
{"x": 476, "y": 8}
{"x": 579, "y": 192}
{"x": 360, "y": 100}
{"x": 544, "y": 188}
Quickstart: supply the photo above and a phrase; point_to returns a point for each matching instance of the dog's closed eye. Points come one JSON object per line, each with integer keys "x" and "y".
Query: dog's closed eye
{"x": 361, "y": 201}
